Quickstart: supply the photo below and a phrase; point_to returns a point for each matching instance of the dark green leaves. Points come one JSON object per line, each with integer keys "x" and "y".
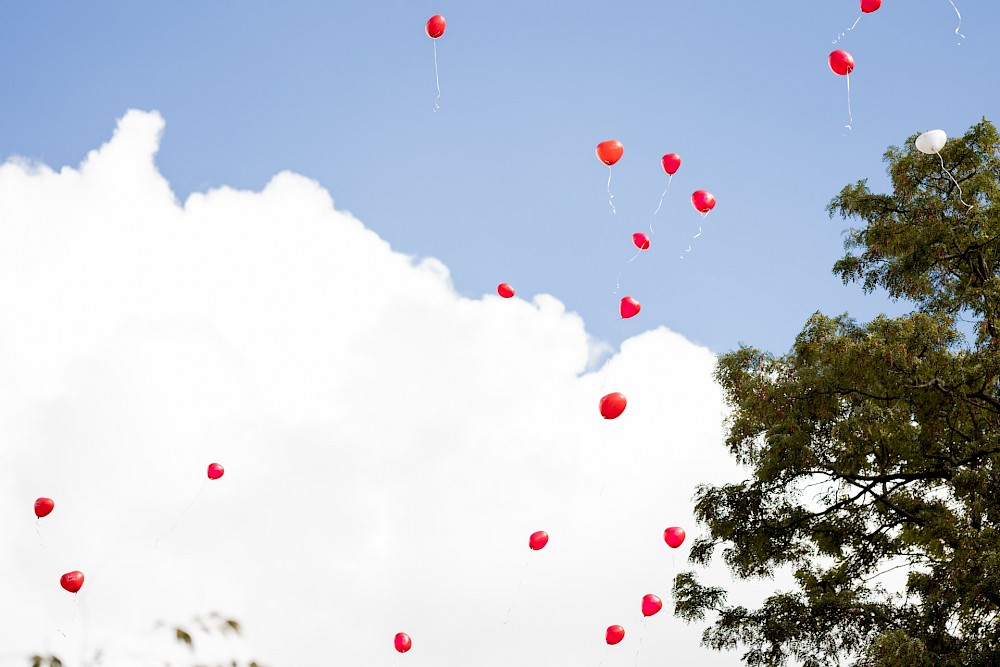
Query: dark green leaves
{"x": 874, "y": 446}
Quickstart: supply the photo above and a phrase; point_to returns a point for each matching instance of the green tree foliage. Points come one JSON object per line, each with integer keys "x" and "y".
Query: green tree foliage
{"x": 212, "y": 624}
{"x": 874, "y": 446}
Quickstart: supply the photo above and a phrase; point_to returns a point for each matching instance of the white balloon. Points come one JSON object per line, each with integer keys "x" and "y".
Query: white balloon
{"x": 931, "y": 142}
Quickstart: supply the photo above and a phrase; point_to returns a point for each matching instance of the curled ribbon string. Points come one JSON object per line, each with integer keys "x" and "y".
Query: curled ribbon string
{"x": 703, "y": 215}
{"x": 844, "y": 34}
{"x": 960, "y": 195}
{"x": 959, "y": 28}
{"x": 850, "y": 115}
{"x": 437, "y": 79}
{"x": 611, "y": 196}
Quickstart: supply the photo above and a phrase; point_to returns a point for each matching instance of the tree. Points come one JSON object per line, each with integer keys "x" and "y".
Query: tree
{"x": 874, "y": 446}
{"x": 213, "y": 626}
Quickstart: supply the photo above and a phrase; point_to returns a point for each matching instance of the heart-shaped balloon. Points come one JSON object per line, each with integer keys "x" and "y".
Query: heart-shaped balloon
{"x": 505, "y": 290}
{"x": 72, "y": 581}
{"x": 215, "y": 470}
{"x": 703, "y": 201}
{"x": 641, "y": 241}
{"x": 44, "y": 506}
{"x": 538, "y": 540}
{"x": 402, "y": 642}
{"x": 615, "y": 634}
{"x": 612, "y": 405}
{"x": 651, "y": 605}
{"x": 629, "y": 307}
{"x": 869, "y": 6}
{"x": 674, "y": 536}
{"x": 671, "y": 163}
{"x": 435, "y": 26}
{"x": 841, "y": 62}
{"x": 610, "y": 152}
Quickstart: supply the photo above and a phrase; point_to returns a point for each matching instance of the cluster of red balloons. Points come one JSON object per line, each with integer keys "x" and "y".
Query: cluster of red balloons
{"x": 651, "y": 604}
{"x": 73, "y": 581}
{"x": 610, "y": 152}
{"x": 611, "y": 405}
{"x": 841, "y": 62}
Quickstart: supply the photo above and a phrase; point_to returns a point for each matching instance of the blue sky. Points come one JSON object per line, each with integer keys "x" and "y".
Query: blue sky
{"x": 502, "y": 184}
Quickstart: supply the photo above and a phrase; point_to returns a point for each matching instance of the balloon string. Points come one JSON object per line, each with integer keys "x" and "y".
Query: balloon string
{"x": 39, "y": 533}
{"x": 611, "y": 196}
{"x": 959, "y": 21}
{"x": 670, "y": 178}
{"x": 604, "y": 448}
{"x": 641, "y": 637}
{"x": 437, "y": 79}
{"x": 960, "y": 195}
{"x": 517, "y": 593}
{"x": 180, "y": 516}
{"x": 690, "y": 245}
{"x": 76, "y": 605}
{"x": 844, "y": 34}
{"x": 849, "y": 114}
{"x": 618, "y": 283}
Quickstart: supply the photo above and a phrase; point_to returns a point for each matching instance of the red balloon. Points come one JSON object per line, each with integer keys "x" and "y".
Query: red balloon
{"x": 610, "y": 152}
{"x": 612, "y": 405}
{"x": 435, "y": 26}
{"x": 44, "y": 507}
{"x": 505, "y": 290}
{"x": 869, "y": 6}
{"x": 402, "y": 642}
{"x": 674, "y": 536}
{"x": 651, "y": 604}
{"x": 629, "y": 307}
{"x": 215, "y": 470}
{"x": 641, "y": 241}
{"x": 615, "y": 634}
{"x": 841, "y": 62}
{"x": 671, "y": 163}
{"x": 72, "y": 581}
{"x": 703, "y": 201}
{"x": 538, "y": 540}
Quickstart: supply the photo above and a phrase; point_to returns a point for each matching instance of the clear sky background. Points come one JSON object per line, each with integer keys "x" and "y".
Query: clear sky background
{"x": 502, "y": 183}
{"x": 151, "y": 327}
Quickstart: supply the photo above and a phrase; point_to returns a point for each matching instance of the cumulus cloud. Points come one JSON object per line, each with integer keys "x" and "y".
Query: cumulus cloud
{"x": 389, "y": 445}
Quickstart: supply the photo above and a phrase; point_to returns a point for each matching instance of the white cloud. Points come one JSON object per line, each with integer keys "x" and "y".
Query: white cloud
{"x": 389, "y": 445}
